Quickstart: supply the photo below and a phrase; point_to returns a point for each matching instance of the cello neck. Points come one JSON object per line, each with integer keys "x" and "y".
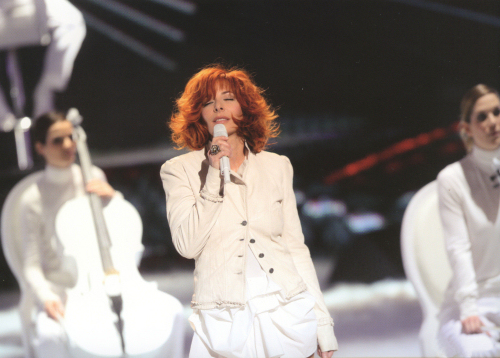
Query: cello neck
{"x": 104, "y": 241}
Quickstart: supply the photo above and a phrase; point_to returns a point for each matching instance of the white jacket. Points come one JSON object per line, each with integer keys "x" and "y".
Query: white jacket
{"x": 214, "y": 224}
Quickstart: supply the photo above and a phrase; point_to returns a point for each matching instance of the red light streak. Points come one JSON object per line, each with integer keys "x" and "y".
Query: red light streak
{"x": 401, "y": 147}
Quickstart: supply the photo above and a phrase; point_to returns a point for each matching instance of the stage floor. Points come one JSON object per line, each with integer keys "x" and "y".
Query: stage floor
{"x": 381, "y": 319}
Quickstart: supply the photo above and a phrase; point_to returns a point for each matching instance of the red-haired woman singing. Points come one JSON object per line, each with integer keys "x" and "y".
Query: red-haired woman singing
{"x": 256, "y": 293}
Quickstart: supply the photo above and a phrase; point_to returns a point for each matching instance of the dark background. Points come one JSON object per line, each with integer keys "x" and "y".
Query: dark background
{"x": 350, "y": 78}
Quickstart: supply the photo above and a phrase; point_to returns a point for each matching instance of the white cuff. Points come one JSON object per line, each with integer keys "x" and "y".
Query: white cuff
{"x": 326, "y": 338}
{"x": 211, "y": 189}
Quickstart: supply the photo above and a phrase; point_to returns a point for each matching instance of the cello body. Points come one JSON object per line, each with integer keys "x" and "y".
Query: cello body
{"x": 153, "y": 322}
{"x": 111, "y": 311}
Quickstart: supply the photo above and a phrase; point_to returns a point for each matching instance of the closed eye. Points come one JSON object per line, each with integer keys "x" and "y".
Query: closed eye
{"x": 206, "y": 104}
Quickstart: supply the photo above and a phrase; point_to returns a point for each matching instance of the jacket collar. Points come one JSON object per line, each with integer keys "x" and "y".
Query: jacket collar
{"x": 240, "y": 176}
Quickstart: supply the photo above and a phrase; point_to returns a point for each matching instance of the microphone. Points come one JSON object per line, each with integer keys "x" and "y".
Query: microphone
{"x": 220, "y": 131}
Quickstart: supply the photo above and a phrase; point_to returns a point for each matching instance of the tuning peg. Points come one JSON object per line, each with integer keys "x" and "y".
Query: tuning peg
{"x": 74, "y": 116}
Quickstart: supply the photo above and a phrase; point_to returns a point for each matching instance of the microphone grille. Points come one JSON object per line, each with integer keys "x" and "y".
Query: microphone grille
{"x": 220, "y": 130}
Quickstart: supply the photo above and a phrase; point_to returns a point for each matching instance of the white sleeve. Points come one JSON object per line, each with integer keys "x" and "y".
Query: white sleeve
{"x": 191, "y": 215}
{"x": 32, "y": 233}
{"x": 98, "y": 173}
{"x": 292, "y": 233}
{"x": 458, "y": 244}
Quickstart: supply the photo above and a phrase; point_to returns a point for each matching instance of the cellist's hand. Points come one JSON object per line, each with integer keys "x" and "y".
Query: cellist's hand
{"x": 101, "y": 188}
{"x": 471, "y": 325}
{"x": 54, "y": 309}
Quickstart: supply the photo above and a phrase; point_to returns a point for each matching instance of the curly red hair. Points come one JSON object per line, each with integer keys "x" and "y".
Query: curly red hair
{"x": 257, "y": 125}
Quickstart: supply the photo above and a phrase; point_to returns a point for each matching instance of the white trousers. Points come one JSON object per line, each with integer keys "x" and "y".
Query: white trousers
{"x": 269, "y": 325}
{"x": 457, "y": 344}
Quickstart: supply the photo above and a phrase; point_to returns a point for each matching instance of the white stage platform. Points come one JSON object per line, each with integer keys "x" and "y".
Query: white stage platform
{"x": 377, "y": 320}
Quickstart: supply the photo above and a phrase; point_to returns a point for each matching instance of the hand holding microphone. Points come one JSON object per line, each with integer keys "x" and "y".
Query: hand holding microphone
{"x": 220, "y": 151}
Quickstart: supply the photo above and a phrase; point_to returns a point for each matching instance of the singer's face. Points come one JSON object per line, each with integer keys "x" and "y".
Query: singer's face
{"x": 222, "y": 109}
{"x": 484, "y": 126}
{"x": 59, "y": 149}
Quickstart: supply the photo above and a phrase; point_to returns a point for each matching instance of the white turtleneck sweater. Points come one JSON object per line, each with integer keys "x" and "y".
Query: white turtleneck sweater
{"x": 43, "y": 252}
{"x": 469, "y": 200}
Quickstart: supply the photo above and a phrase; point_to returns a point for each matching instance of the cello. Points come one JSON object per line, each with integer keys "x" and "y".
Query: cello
{"x": 111, "y": 311}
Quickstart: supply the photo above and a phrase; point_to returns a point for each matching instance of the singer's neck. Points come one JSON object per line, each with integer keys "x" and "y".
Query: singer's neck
{"x": 238, "y": 152}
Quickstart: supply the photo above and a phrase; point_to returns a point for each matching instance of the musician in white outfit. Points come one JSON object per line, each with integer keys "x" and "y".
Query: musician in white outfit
{"x": 469, "y": 201}
{"x": 256, "y": 292}
{"x": 48, "y": 271}
{"x": 66, "y": 27}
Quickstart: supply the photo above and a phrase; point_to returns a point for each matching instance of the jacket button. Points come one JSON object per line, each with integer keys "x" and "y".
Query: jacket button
{"x": 252, "y": 241}
{"x": 271, "y": 270}
{"x": 244, "y": 223}
{"x": 261, "y": 255}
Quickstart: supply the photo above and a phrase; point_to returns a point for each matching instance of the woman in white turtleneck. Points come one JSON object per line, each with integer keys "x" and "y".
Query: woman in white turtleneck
{"x": 469, "y": 201}
{"x": 43, "y": 265}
